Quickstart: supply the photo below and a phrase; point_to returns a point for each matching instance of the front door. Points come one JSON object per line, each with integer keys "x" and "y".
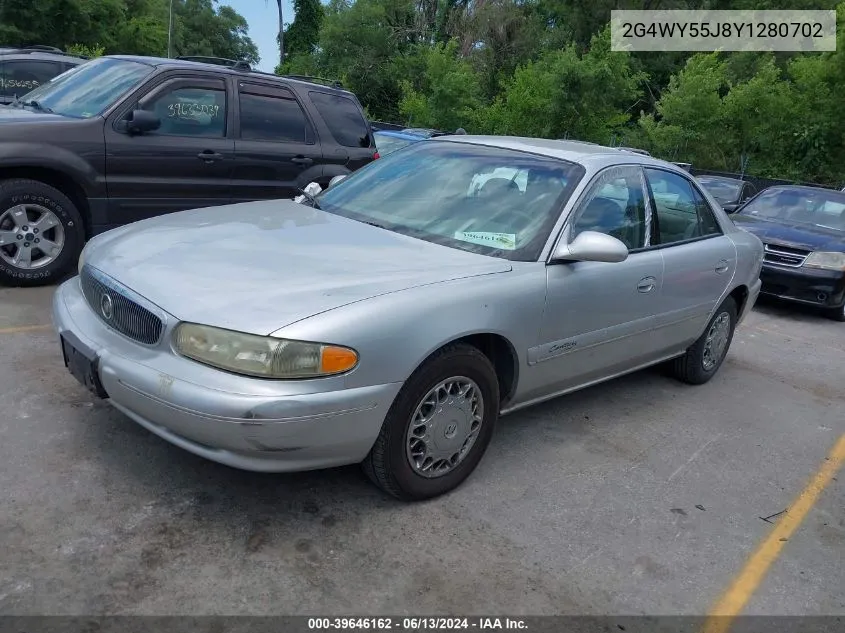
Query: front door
{"x": 276, "y": 148}
{"x": 599, "y": 316}
{"x": 700, "y": 260}
{"x": 185, "y": 164}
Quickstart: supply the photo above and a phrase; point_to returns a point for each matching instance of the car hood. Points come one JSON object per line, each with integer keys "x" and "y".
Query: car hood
{"x": 806, "y": 236}
{"x": 259, "y": 266}
{"x": 18, "y": 116}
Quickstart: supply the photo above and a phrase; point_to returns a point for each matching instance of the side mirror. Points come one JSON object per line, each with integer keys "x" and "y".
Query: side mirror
{"x": 141, "y": 121}
{"x": 731, "y": 207}
{"x": 592, "y": 246}
{"x": 336, "y": 180}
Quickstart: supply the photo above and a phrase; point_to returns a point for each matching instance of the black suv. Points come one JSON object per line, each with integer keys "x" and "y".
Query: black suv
{"x": 24, "y": 69}
{"x": 123, "y": 138}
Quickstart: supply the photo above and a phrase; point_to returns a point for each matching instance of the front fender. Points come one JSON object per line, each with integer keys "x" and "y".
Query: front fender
{"x": 396, "y": 332}
{"x": 44, "y": 155}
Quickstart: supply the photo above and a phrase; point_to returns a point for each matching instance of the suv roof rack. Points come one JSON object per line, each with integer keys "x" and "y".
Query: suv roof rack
{"x": 39, "y": 48}
{"x": 334, "y": 83}
{"x": 217, "y": 61}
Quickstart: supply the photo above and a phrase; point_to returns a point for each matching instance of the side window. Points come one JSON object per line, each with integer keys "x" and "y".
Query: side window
{"x": 19, "y": 77}
{"x": 272, "y": 118}
{"x": 343, "y": 117}
{"x": 682, "y": 213}
{"x": 616, "y": 205}
{"x": 747, "y": 192}
{"x": 186, "y": 111}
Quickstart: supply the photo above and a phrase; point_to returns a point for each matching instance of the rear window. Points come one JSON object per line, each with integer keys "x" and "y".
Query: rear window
{"x": 343, "y": 117}
{"x": 19, "y": 77}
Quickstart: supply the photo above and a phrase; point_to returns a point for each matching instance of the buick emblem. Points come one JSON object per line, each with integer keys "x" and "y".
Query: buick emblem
{"x": 106, "y": 307}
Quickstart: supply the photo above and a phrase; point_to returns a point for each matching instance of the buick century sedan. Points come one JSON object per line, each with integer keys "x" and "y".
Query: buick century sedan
{"x": 391, "y": 319}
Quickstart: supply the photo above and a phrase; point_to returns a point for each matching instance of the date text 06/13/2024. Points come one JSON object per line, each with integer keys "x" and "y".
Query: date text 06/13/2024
{"x": 415, "y": 624}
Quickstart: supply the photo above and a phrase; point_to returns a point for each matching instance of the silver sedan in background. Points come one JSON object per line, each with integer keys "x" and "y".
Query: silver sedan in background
{"x": 394, "y": 317}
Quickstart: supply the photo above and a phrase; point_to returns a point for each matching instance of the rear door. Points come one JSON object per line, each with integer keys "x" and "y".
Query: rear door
{"x": 699, "y": 260}
{"x": 185, "y": 164}
{"x": 276, "y": 148}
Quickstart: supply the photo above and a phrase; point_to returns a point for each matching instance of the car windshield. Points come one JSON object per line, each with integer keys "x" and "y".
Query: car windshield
{"x": 90, "y": 88}
{"x": 802, "y": 206}
{"x": 723, "y": 190}
{"x": 481, "y": 199}
{"x": 386, "y": 144}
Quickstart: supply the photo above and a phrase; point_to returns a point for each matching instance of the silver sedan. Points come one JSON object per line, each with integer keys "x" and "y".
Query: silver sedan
{"x": 393, "y": 318}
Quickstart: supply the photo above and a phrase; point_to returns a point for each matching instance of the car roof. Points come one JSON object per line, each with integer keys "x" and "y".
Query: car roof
{"x": 704, "y": 177}
{"x": 408, "y": 136}
{"x": 808, "y": 189}
{"x": 582, "y": 152}
{"x": 231, "y": 70}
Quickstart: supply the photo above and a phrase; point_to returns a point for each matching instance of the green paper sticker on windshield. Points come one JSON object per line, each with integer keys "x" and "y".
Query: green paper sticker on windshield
{"x": 504, "y": 241}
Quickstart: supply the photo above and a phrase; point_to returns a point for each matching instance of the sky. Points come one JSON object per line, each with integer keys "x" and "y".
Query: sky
{"x": 262, "y": 17}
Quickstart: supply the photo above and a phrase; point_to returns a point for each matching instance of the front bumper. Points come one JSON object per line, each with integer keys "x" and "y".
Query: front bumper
{"x": 247, "y": 423}
{"x": 823, "y": 288}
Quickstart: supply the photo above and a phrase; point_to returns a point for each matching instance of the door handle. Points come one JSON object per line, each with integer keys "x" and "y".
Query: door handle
{"x": 646, "y": 284}
{"x": 722, "y": 266}
{"x": 209, "y": 156}
{"x": 301, "y": 160}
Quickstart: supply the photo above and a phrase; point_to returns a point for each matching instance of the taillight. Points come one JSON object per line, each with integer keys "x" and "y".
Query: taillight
{"x": 375, "y": 156}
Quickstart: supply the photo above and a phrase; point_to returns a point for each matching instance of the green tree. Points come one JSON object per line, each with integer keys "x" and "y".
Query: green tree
{"x": 303, "y": 34}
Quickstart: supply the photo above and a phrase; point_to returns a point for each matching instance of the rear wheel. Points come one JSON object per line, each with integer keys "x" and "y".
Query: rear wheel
{"x": 704, "y": 357}
{"x": 439, "y": 426}
{"x": 41, "y": 233}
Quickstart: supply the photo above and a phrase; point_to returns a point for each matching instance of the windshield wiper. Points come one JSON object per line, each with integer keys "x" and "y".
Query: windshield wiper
{"x": 309, "y": 197}
{"x": 37, "y": 106}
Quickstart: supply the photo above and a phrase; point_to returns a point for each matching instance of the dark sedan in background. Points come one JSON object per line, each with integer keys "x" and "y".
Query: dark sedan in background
{"x": 731, "y": 193}
{"x": 803, "y": 232}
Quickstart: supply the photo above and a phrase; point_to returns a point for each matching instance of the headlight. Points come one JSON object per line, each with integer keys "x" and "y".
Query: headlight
{"x": 261, "y": 356}
{"x": 826, "y": 261}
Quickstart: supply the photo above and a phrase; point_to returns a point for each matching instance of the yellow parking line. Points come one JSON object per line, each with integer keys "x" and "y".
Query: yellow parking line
{"x": 24, "y": 328}
{"x": 734, "y": 600}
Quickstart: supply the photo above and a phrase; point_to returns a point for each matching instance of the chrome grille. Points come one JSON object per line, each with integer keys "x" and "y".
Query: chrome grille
{"x": 784, "y": 255}
{"x": 118, "y": 308}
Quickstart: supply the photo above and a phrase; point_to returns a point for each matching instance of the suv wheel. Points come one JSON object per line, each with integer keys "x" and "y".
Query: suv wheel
{"x": 41, "y": 233}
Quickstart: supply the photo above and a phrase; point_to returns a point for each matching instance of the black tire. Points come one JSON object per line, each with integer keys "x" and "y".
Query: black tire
{"x": 837, "y": 314}
{"x": 22, "y": 191}
{"x": 387, "y": 464}
{"x": 689, "y": 368}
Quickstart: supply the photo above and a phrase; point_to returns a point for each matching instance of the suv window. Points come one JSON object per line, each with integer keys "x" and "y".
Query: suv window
{"x": 682, "y": 212}
{"x": 276, "y": 117}
{"x": 186, "y": 111}
{"x": 615, "y": 205}
{"x": 343, "y": 117}
{"x": 17, "y": 77}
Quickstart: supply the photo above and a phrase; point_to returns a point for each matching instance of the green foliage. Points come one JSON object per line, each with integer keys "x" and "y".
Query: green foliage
{"x": 128, "y": 26}
{"x": 568, "y": 95}
{"x": 84, "y": 50}
{"x": 445, "y": 95}
{"x": 302, "y": 35}
{"x": 524, "y": 67}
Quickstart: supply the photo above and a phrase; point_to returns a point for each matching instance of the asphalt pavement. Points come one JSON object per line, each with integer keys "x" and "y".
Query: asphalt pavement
{"x": 638, "y": 496}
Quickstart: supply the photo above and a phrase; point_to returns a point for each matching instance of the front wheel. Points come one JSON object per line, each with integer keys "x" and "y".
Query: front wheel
{"x": 439, "y": 426}
{"x": 704, "y": 357}
{"x": 41, "y": 233}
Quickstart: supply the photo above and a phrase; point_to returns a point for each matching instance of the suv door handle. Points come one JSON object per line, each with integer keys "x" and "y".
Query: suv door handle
{"x": 209, "y": 156}
{"x": 301, "y": 160}
{"x": 722, "y": 266}
{"x": 646, "y": 284}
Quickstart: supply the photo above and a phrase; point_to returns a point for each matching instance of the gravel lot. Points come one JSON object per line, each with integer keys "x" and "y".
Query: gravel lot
{"x": 639, "y": 496}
